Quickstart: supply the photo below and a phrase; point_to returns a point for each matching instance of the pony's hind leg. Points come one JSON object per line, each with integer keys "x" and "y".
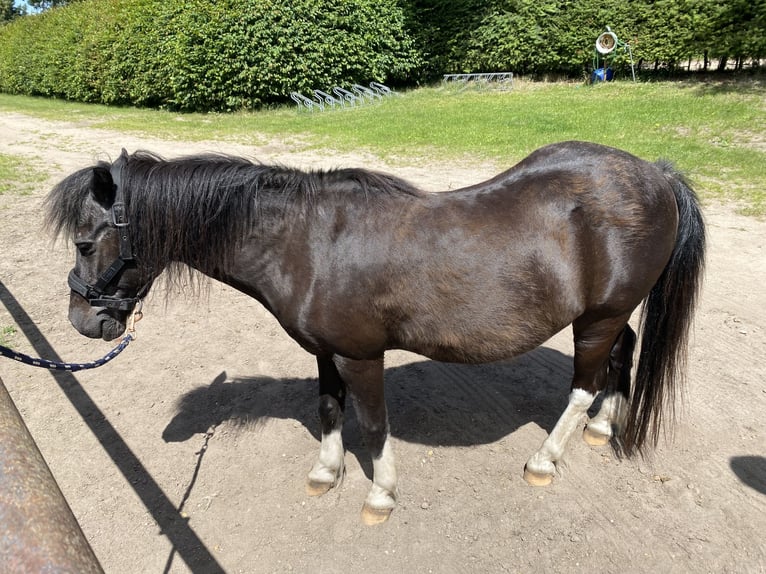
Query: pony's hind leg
{"x": 328, "y": 469}
{"x": 610, "y": 419}
{"x": 365, "y": 384}
{"x": 593, "y": 343}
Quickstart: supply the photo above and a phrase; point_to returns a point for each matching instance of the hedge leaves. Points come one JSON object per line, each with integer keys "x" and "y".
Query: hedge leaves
{"x": 203, "y": 54}
{"x": 231, "y": 54}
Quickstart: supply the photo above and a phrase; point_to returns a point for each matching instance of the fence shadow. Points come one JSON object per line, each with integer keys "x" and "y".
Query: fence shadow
{"x": 172, "y": 524}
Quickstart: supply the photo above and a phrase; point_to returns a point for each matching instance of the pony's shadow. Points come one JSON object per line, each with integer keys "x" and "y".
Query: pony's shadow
{"x": 429, "y": 403}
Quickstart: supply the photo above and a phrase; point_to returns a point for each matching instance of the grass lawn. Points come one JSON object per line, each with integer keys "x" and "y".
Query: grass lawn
{"x": 17, "y": 175}
{"x": 715, "y": 131}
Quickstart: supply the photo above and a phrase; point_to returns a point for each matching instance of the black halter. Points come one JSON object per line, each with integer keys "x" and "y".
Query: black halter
{"x": 94, "y": 294}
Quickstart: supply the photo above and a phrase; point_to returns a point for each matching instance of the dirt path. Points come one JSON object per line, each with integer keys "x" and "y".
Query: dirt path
{"x": 212, "y": 410}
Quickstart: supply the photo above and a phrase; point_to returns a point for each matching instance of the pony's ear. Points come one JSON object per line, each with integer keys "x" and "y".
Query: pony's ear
{"x": 102, "y": 187}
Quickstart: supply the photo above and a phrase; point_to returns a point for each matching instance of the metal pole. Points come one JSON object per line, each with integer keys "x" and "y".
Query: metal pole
{"x": 632, "y": 68}
{"x": 38, "y": 532}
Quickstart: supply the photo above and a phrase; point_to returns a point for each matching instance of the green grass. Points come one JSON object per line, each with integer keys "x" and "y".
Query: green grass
{"x": 6, "y": 333}
{"x": 18, "y": 175}
{"x": 714, "y": 131}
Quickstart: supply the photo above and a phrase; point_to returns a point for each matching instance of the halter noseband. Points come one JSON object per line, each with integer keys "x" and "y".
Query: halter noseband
{"x": 94, "y": 294}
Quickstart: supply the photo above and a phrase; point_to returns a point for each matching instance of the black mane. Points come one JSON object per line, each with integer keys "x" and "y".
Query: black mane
{"x": 200, "y": 208}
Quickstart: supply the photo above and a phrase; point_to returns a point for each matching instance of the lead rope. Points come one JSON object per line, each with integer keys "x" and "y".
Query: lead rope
{"x": 130, "y": 335}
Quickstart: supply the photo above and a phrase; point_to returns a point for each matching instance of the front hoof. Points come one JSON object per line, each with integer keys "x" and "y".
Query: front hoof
{"x": 594, "y": 438}
{"x": 536, "y": 478}
{"x": 373, "y": 516}
{"x": 315, "y": 488}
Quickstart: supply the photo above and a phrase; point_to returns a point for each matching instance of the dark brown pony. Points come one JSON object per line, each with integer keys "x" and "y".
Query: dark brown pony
{"x": 353, "y": 263}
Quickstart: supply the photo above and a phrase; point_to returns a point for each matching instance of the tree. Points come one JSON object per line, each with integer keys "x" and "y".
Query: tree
{"x": 742, "y": 30}
{"x": 9, "y": 10}
{"x": 45, "y": 4}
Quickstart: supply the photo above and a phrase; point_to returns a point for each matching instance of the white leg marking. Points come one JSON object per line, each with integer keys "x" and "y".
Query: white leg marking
{"x": 611, "y": 414}
{"x": 543, "y": 461}
{"x": 383, "y": 492}
{"x": 329, "y": 467}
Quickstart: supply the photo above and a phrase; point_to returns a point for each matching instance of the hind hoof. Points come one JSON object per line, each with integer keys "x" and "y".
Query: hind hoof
{"x": 372, "y": 516}
{"x": 314, "y": 488}
{"x": 594, "y": 438}
{"x": 537, "y": 479}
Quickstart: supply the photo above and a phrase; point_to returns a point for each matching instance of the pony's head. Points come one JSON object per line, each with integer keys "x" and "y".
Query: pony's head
{"x": 143, "y": 215}
{"x": 107, "y": 281}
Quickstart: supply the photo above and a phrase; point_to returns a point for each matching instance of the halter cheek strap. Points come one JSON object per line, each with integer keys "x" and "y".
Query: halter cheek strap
{"x": 120, "y": 221}
{"x": 119, "y": 211}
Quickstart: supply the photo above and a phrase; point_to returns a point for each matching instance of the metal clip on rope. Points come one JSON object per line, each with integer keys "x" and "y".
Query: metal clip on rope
{"x": 135, "y": 317}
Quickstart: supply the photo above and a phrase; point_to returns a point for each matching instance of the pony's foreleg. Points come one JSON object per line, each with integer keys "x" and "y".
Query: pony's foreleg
{"x": 610, "y": 419}
{"x": 593, "y": 344}
{"x": 365, "y": 383}
{"x": 328, "y": 469}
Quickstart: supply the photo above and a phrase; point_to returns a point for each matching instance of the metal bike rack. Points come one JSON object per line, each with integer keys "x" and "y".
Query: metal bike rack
{"x": 340, "y": 97}
{"x": 504, "y": 77}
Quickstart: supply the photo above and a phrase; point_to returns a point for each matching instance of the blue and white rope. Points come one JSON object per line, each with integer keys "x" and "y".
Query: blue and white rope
{"x": 72, "y": 367}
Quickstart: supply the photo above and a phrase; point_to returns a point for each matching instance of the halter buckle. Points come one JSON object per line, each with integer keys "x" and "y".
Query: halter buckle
{"x": 119, "y": 214}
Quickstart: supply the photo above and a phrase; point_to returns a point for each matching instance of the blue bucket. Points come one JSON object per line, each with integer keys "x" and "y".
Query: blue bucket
{"x": 602, "y": 75}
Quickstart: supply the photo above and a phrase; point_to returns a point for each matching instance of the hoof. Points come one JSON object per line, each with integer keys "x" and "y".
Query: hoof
{"x": 314, "y": 488}
{"x": 372, "y": 516}
{"x": 594, "y": 438}
{"x": 537, "y": 479}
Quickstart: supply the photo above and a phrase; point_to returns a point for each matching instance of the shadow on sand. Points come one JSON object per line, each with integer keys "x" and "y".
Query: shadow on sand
{"x": 428, "y": 402}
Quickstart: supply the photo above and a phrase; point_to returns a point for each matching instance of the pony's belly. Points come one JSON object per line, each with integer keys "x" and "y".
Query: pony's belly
{"x": 479, "y": 348}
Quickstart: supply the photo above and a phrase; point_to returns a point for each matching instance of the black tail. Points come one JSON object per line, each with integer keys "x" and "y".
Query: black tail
{"x": 666, "y": 319}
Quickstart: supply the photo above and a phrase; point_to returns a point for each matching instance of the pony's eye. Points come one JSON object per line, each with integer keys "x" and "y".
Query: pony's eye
{"x": 85, "y": 248}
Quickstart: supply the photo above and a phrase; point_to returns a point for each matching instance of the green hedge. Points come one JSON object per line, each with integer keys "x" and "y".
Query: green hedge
{"x": 203, "y": 54}
{"x": 232, "y": 54}
{"x": 558, "y": 36}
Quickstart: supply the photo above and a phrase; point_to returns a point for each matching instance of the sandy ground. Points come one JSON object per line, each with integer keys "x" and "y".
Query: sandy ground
{"x": 189, "y": 452}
